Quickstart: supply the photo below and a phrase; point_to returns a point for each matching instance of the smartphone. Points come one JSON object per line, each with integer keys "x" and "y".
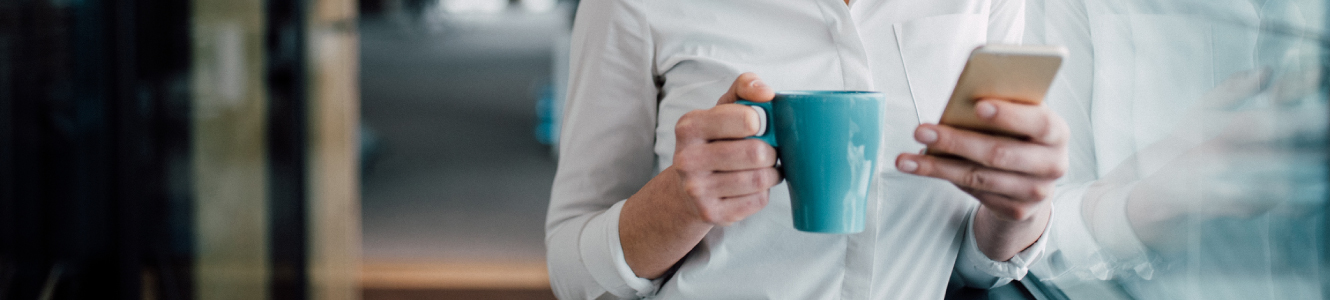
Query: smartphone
{"x": 1016, "y": 73}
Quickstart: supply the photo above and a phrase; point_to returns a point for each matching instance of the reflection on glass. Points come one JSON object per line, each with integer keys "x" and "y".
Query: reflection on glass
{"x": 1198, "y": 159}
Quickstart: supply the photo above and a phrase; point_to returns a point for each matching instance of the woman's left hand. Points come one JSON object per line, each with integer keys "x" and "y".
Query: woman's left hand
{"x": 1012, "y": 177}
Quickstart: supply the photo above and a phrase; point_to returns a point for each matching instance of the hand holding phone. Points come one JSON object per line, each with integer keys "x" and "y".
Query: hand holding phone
{"x": 1021, "y": 74}
{"x": 1009, "y": 158}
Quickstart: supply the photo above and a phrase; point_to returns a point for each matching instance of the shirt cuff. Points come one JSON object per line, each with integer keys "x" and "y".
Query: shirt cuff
{"x": 1107, "y": 222}
{"x": 603, "y": 255}
{"x": 976, "y": 263}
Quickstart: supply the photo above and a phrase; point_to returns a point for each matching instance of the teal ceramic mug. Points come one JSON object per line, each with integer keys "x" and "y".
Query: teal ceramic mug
{"x": 827, "y": 142}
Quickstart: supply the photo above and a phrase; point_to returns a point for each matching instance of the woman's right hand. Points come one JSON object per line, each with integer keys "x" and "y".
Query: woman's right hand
{"x": 726, "y": 176}
{"x": 718, "y": 177}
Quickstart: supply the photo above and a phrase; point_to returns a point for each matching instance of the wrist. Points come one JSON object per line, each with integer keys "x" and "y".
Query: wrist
{"x": 1038, "y": 218}
{"x": 1002, "y": 238}
{"x": 658, "y": 226}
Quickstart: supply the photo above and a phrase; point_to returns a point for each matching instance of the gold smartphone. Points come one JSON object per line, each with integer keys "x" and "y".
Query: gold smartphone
{"x": 1016, "y": 73}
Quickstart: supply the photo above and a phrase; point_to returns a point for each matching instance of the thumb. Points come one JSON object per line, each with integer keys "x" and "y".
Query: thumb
{"x": 747, "y": 87}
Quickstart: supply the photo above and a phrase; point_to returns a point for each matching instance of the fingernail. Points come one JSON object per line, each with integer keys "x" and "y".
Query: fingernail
{"x": 925, "y": 135}
{"x": 758, "y": 84}
{"x": 985, "y": 110}
{"x": 908, "y": 166}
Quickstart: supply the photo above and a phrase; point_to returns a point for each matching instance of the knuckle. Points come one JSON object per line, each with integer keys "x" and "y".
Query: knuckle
{"x": 1002, "y": 156}
{"x": 751, "y": 122}
{"x": 1041, "y": 191}
{"x": 1043, "y": 134}
{"x": 770, "y": 178}
{"x": 768, "y": 153}
{"x": 752, "y": 204}
{"x": 1059, "y": 130}
{"x": 755, "y": 152}
{"x": 1052, "y": 129}
{"x": 1020, "y": 213}
{"x": 719, "y": 219}
{"x": 1059, "y": 169}
{"x": 696, "y": 189}
{"x": 731, "y": 219}
{"x": 709, "y": 214}
{"x": 687, "y": 124}
{"x": 745, "y": 77}
{"x": 758, "y": 179}
{"x": 975, "y": 178}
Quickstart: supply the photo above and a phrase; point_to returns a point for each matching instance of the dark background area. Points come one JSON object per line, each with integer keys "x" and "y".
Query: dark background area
{"x": 93, "y": 138}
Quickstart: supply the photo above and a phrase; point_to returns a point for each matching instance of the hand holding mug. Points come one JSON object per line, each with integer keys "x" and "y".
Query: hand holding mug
{"x": 725, "y": 176}
{"x": 827, "y": 142}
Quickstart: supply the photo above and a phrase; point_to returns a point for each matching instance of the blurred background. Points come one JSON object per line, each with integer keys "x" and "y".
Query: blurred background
{"x": 404, "y": 149}
{"x": 279, "y": 149}
{"x": 458, "y": 106}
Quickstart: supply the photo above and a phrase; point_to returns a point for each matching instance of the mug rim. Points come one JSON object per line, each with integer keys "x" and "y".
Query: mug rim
{"x": 826, "y": 92}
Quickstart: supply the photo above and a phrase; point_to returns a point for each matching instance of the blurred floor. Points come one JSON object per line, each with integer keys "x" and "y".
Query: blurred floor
{"x": 434, "y": 294}
{"x": 461, "y": 179}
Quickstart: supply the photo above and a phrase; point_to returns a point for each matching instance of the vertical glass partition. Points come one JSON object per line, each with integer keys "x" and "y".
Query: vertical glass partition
{"x": 1198, "y": 159}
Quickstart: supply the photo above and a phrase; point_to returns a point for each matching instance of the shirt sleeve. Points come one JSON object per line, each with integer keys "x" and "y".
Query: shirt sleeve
{"x": 977, "y": 270}
{"x": 605, "y": 151}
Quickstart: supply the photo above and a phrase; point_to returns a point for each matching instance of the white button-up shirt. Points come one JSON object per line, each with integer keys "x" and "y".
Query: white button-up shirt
{"x": 638, "y": 65}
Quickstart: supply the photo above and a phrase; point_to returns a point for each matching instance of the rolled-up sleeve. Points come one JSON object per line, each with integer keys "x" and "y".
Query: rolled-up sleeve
{"x": 982, "y": 272}
{"x": 605, "y": 152}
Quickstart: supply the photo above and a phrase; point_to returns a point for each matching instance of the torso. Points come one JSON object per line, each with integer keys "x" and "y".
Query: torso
{"x": 910, "y": 50}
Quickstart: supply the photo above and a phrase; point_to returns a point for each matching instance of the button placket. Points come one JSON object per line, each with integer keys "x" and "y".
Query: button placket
{"x": 856, "y": 75}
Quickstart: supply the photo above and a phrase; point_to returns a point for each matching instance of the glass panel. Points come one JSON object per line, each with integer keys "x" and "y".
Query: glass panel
{"x": 1199, "y": 153}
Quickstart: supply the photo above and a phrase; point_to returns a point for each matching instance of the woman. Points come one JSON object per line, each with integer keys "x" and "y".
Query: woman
{"x": 651, "y": 200}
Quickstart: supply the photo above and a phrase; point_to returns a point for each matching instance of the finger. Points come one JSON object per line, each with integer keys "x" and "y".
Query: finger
{"x": 740, "y": 183}
{"x": 1035, "y": 122}
{"x": 735, "y": 155}
{"x": 728, "y": 121}
{"x": 971, "y": 175}
{"x": 992, "y": 151}
{"x": 726, "y": 211}
{"x": 748, "y": 86}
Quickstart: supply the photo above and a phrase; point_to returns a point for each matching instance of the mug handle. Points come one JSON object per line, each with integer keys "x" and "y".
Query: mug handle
{"x": 766, "y": 131}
